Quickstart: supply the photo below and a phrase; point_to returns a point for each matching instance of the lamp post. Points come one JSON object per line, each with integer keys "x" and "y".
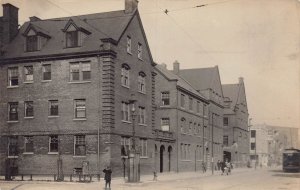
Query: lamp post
{"x": 134, "y": 155}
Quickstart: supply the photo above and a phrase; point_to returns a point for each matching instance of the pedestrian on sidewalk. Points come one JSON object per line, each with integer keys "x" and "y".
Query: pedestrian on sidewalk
{"x": 222, "y": 167}
{"x": 107, "y": 176}
{"x": 203, "y": 167}
{"x": 219, "y": 165}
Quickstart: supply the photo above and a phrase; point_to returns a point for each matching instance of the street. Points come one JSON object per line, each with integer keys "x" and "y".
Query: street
{"x": 240, "y": 179}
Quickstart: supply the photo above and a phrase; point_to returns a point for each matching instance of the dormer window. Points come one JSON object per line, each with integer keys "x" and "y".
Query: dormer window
{"x": 35, "y": 38}
{"x": 72, "y": 39}
{"x": 74, "y": 35}
{"x": 32, "y": 43}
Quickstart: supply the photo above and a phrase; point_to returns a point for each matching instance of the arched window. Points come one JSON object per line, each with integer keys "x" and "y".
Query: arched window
{"x": 125, "y": 75}
{"x": 142, "y": 82}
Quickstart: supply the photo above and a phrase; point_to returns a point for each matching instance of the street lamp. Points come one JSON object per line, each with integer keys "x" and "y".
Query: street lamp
{"x": 134, "y": 155}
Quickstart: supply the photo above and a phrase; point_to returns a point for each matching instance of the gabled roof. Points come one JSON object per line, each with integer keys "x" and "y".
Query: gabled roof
{"x": 180, "y": 81}
{"x": 101, "y": 25}
{"x": 231, "y": 91}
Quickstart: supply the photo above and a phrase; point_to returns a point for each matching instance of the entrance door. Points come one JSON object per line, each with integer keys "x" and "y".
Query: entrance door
{"x": 162, "y": 150}
{"x": 227, "y": 156}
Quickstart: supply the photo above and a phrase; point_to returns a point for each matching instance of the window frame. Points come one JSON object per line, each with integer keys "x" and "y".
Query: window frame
{"x": 129, "y": 45}
{"x": 142, "y": 115}
{"x": 44, "y": 72}
{"x": 50, "y": 141}
{"x": 125, "y": 77}
{"x": 26, "y": 140}
{"x": 9, "y": 111}
{"x": 77, "y": 140}
{"x": 79, "y": 108}
{"x": 165, "y": 97}
{"x": 32, "y": 42}
{"x": 72, "y": 39}
{"x": 142, "y": 84}
{"x": 28, "y": 77}
{"x": 144, "y": 148}
{"x": 165, "y": 121}
{"x": 125, "y": 110}
{"x": 50, "y": 103}
{"x": 225, "y": 121}
{"x": 140, "y": 51}
{"x": 26, "y": 107}
{"x": 79, "y": 69}
{"x": 15, "y": 145}
{"x": 182, "y": 101}
{"x": 11, "y": 76}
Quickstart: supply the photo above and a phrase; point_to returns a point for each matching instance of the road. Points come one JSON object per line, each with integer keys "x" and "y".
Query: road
{"x": 246, "y": 180}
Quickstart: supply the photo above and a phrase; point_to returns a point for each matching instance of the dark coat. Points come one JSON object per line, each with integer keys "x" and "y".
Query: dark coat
{"x": 107, "y": 175}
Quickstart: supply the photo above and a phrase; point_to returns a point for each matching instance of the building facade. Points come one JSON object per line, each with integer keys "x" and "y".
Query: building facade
{"x": 267, "y": 143}
{"x": 72, "y": 89}
{"x": 207, "y": 82}
{"x": 183, "y": 113}
{"x": 236, "y": 132}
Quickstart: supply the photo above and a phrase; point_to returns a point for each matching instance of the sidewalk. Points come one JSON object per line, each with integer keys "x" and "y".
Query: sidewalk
{"x": 171, "y": 176}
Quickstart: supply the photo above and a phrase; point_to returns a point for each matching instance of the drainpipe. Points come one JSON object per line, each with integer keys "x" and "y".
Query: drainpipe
{"x": 177, "y": 169}
{"x": 98, "y": 129}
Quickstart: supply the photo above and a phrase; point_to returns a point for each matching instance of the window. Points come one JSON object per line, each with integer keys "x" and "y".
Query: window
{"x": 225, "y": 140}
{"x": 13, "y": 146}
{"x": 182, "y": 100}
{"x": 165, "y": 124}
{"x": 140, "y": 51}
{"x": 125, "y": 111}
{"x": 190, "y": 128}
{"x": 71, "y": 39}
{"x": 28, "y": 141}
{"x": 47, "y": 72}
{"x": 53, "y": 143}
{"x": 198, "y": 107}
{"x": 141, "y": 83}
{"x": 32, "y": 43}
{"x": 182, "y": 127}
{"x": 142, "y": 115}
{"x": 128, "y": 44}
{"x": 28, "y": 105}
{"x": 225, "y": 121}
{"x": 74, "y": 71}
{"x": 144, "y": 150}
{"x": 86, "y": 71}
{"x": 195, "y": 128}
{"x": 79, "y": 145}
{"x": 125, "y": 76}
{"x": 125, "y": 145}
{"x": 165, "y": 98}
{"x": 13, "y": 111}
{"x": 53, "y": 107}
{"x": 253, "y": 133}
{"x": 13, "y": 76}
{"x": 80, "y": 109}
{"x": 191, "y": 103}
{"x": 253, "y": 146}
{"x": 80, "y": 71}
{"x": 28, "y": 71}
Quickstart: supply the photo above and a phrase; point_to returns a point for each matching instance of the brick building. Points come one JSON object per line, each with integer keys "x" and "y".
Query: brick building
{"x": 181, "y": 115}
{"x": 66, "y": 89}
{"x": 207, "y": 82}
{"x": 236, "y": 132}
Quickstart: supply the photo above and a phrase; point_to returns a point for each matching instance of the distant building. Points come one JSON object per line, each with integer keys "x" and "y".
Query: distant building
{"x": 207, "y": 82}
{"x": 268, "y": 142}
{"x": 66, "y": 87}
{"x": 182, "y": 124}
{"x": 235, "y": 121}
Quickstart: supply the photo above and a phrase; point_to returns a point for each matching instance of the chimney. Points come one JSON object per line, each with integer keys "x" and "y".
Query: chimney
{"x": 10, "y": 22}
{"x": 241, "y": 80}
{"x": 176, "y": 67}
{"x": 164, "y": 65}
{"x": 131, "y": 6}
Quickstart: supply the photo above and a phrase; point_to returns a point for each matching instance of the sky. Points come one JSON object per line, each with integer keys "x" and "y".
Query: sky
{"x": 258, "y": 40}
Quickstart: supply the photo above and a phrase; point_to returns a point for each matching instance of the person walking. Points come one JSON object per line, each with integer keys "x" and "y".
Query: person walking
{"x": 107, "y": 176}
{"x": 219, "y": 165}
{"x": 203, "y": 167}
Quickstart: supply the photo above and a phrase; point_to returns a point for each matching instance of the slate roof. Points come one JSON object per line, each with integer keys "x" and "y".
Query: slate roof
{"x": 200, "y": 78}
{"x": 101, "y": 25}
{"x": 180, "y": 81}
{"x": 231, "y": 91}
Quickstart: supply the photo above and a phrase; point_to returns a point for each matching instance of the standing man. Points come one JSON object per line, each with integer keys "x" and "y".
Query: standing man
{"x": 107, "y": 177}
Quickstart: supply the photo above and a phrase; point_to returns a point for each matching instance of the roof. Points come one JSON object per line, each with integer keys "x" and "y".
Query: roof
{"x": 231, "y": 91}
{"x": 180, "y": 81}
{"x": 100, "y": 25}
{"x": 200, "y": 78}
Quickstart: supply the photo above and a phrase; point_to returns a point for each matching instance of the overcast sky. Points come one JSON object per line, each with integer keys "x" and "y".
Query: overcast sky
{"x": 255, "y": 39}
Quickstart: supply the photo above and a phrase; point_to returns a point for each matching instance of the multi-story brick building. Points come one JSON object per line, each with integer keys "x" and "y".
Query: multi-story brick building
{"x": 66, "y": 89}
{"x": 181, "y": 115}
{"x": 236, "y": 132}
{"x": 207, "y": 82}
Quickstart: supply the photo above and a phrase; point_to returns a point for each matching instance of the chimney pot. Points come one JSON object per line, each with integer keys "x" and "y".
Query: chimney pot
{"x": 131, "y": 6}
{"x": 34, "y": 18}
{"x": 176, "y": 67}
{"x": 241, "y": 80}
{"x": 164, "y": 65}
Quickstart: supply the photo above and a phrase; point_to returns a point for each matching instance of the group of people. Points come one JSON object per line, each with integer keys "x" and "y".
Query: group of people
{"x": 225, "y": 167}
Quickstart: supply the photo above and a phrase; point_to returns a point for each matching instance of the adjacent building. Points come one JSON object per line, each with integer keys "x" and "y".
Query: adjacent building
{"x": 235, "y": 121}
{"x": 68, "y": 87}
{"x": 268, "y": 142}
{"x": 182, "y": 112}
{"x": 207, "y": 82}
